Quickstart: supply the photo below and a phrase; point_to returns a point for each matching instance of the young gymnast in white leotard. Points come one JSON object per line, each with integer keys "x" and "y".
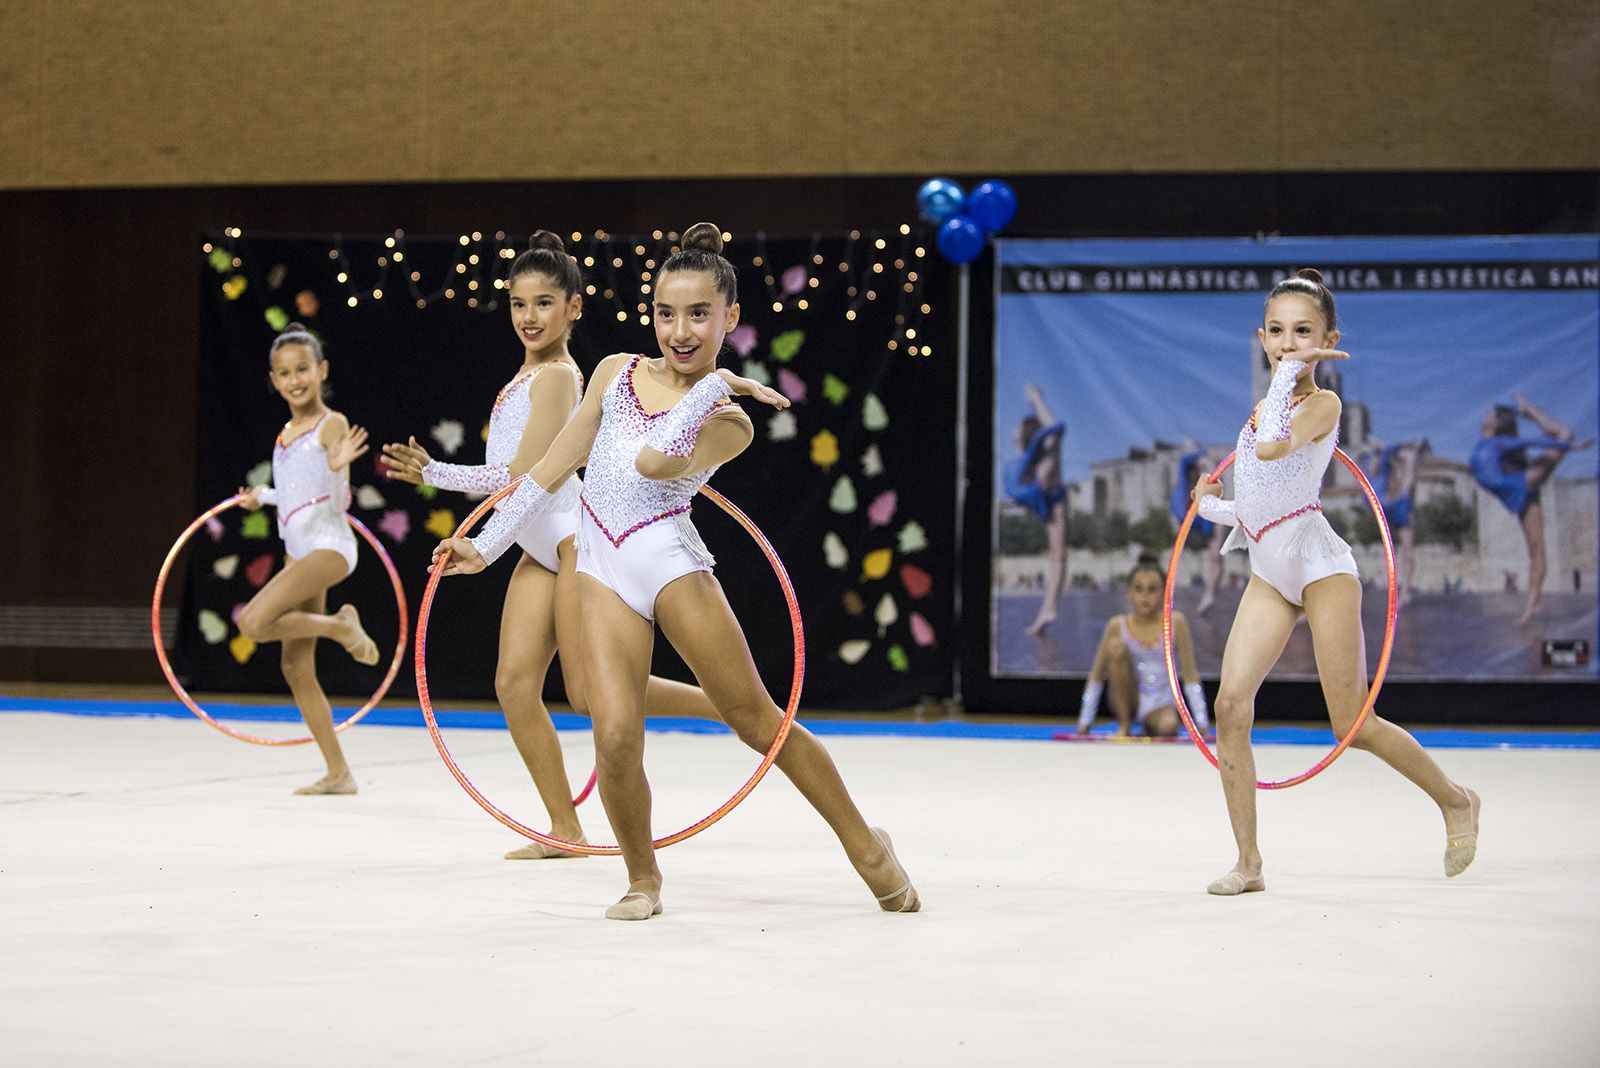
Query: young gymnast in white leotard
{"x": 652, "y": 432}
{"x": 1131, "y": 665}
{"x": 541, "y": 609}
{"x": 1299, "y": 565}
{"x": 310, "y": 490}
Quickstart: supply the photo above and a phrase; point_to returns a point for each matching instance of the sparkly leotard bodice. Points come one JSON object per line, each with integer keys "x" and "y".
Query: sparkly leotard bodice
{"x": 616, "y": 496}
{"x": 1269, "y": 492}
{"x": 303, "y": 483}
{"x": 1149, "y": 662}
{"x": 509, "y": 417}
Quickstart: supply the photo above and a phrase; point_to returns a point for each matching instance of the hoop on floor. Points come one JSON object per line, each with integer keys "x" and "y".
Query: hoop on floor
{"x": 189, "y": 702}
{"x": 425, "y": 608}
{"x": 1383, "y": 655}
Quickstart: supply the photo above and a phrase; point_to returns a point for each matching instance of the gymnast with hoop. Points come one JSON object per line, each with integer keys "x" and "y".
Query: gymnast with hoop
{"x": 652, "y": 432}
{"x": 310, "y": 490}
{"x": 1299, "y": 565}
{"x": 541, "y": 609}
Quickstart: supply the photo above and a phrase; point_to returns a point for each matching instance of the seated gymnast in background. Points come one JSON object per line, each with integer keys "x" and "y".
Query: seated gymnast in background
{"x": 311, "y": 490}
{"x": 1501, "y": 465}
{"x": 1130, "y": 666}
{"x": 541, "y": 609}
{"x": 652, "y": 432}
{"x": 1033, "y": 480}
{"x": 1299, "y": 565}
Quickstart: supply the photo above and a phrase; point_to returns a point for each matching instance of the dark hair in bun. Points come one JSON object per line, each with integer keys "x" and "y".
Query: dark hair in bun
{"x": 1148, "y": 561}
{"x": 547, "y": 255}
{"x": 1307, "y": 282}
{"x": 297, "y": 334}
{"x": 702, "y": 251}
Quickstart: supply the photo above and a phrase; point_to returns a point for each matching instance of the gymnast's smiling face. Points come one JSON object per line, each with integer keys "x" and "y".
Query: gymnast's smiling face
{"x": 691, "y": 319}
{"x": 1294, "y": 322}
{"x": 298, "y": 375}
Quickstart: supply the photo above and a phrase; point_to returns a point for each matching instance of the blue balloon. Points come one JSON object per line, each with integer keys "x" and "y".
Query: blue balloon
{"x": 992, "y": 204}
{"x": 960, "y": 239}
{"x": 940, "y": 198}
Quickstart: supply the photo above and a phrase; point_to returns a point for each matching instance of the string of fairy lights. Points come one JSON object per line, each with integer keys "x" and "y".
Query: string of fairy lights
{"x": 621, "y": 270}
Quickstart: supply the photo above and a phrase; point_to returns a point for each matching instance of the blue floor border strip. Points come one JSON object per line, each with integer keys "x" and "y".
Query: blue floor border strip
{"x": 1432, "y": 737}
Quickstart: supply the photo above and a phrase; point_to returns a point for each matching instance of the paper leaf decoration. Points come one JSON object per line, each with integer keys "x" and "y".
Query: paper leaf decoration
{"x": 441, "y": 523}
{"x": 275, "y": 279}
{"x": 886, "y": 614}
{"x": 756, "y": 371}
{"x": 918, "y": 583}
{"x": 880, "y": 513}
{"x": 912, "y": 537}
{"x": 851, "y": 652}
{"x": 875, "y": 564}
{"x": 427, "y": 493}
{"x": 449, "y": 434}
{"x": 259, "y": 570}
{"x": 307, "y": 304}
{"x": 853, "y": 604}
{"x": 794, "y": 280}
{"x": 256, "y": 525}
{"x": 791, "y": 385}
{"x": 782, "y": 427}
{"x": 872, "y": 462}
{"x": 220, "y": 259}
{"x": 234, "y": 287}
{"x": 227, "y": 567}
{"x": 242, "y": 648}
{"x": 260, "y": 474}
{"x": 834, "y": 552}
{"x": 276, "y": 318}
{"x": 824, "y": 449}
{"x": 214, "y": 528}
{"x": 898, "y": 659}
{"x": 742, "y": 339}
{"x": 873, "y": 414}
{"x": 212, "y": 627}
{"x": 397, "y": 524}
{"x": 835, "y": 389}
{"x": 369, "y": 499}
{"x": 921, "y": 630}
{"x": 843, "y": 497}
{"x": 786, "y": 346}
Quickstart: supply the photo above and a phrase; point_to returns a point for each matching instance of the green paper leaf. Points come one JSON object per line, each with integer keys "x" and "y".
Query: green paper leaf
{"x": 756, "y": 371}
{"x": 277, "y": 318}
{"x": 912, "y": 537}
{"x": 898, "y": 658}
{"x": 427, "y": 493}
{"x": 221, "y": 260}
{"x": 786, "y": 346}
{"x": 843, "y": 497}
{"x": 256, "y": 525}
{"x": 834, "y": 389}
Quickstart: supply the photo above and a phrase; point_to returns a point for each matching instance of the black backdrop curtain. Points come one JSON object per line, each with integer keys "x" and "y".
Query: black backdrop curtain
{"x": 854, "y": 488}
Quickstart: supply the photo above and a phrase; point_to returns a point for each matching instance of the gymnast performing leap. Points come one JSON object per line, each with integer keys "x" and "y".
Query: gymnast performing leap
{"x": 652, "y": 432}
{"x": 1299, "y": 565}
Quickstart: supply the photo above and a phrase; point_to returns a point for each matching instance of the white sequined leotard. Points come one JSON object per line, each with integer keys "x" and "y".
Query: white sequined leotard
{"x": 507, "y": 421}
{"x": 635, "y": 534}
{"x": 311, "y": 500}
{"x": 1277, "y": 507}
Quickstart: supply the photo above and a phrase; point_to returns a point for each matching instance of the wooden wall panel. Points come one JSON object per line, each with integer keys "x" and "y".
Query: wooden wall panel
{"x": 106, "y": 93}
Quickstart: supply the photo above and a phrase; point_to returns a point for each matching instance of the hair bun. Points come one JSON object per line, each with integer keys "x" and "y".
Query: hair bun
{"x": 704, "y": 235}
{"x": 1310, "y": 274}
{"x": 548, "y": 240}
{"x": 294, "y": 328}
{"x": 1148, "y": 558}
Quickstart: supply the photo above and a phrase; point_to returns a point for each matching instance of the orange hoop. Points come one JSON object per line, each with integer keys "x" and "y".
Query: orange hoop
{"x": 426, "y": 607}
{"x": 189, "y": 702}
{"x": 1383, "y": 655}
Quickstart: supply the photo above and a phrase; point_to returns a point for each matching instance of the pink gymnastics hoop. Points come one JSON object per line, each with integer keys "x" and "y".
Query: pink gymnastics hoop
{"x": 425, "y": 609}
{"x": 1383, "y": 656}
{"x": 190, "y": 703}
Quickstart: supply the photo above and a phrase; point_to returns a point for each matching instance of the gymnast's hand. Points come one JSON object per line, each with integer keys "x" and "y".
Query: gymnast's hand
{"x": 1206, "y": 488}
{"x": 347, "y": 447}
{"x": 749, "y": 387}
{"x": 460, "y": 557}
{"x": 251, "y": 498}
{"x": 404, "y": 463}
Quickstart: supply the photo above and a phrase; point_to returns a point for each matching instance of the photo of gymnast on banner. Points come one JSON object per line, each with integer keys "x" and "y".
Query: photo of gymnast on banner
{"x": 1125, "y": 368}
